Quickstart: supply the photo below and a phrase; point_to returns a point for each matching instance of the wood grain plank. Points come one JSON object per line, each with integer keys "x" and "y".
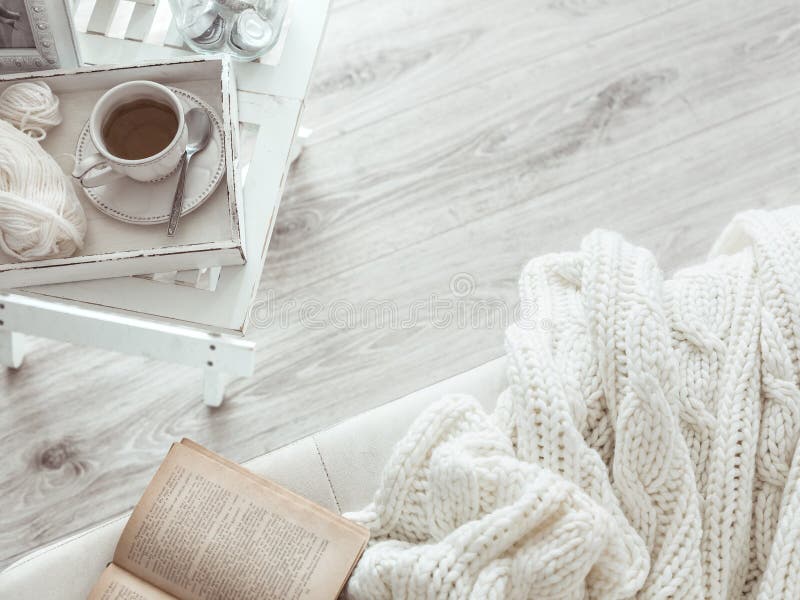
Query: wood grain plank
{"x": 505, "y": 141}
{"x": 383, "y": 57}
{"x": 674, "y": 200}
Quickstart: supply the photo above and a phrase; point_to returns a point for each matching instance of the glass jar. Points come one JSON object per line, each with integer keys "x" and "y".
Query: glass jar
{"x": 245, "y": 29}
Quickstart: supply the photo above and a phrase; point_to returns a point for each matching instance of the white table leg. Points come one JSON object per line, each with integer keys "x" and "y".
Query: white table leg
{"x": 299, "y": 144}
{"x": 219, "y": 356}
{"x": 12, "y": 349}
{"x": 213, "y": 388}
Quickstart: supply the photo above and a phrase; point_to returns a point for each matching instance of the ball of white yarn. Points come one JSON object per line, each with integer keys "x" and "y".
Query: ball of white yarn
{"x": 31, "y": 107}
{"x": 40, "y": 214}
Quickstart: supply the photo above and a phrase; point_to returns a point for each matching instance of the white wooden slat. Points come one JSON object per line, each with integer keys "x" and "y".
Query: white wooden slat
{"x": 81, "y": 13}
{"x": 191, "y": 277}
{"x": 264, "y": 184}
{"x": 208, "y": 278}
{"x": 174, "y": 38}
{"x": 290, "y": 77}
{"x": 121, "y": 19}
{"x": 165, "y": 277}
{"x": 168, "y": 277}
{"x": 160, "y": 25}
{"x": 141, "y": 21}
{"x": 102, "y": 16}
{"x": 27, "y": 314}
{"x": 203, "y": 279}
{"x": 83, "y": 268}
{"x": 213, "y": 274}
{"x": 98, "y": 49}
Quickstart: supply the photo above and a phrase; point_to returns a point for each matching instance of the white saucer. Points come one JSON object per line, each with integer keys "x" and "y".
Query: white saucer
{"x": 150, "y": 203}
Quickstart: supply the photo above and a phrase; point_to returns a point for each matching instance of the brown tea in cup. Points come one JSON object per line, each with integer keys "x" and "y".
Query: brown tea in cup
{"x": 139, "y": 129}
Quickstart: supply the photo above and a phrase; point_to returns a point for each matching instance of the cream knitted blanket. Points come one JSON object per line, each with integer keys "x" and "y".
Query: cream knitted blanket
{"x": 646, "y": 445}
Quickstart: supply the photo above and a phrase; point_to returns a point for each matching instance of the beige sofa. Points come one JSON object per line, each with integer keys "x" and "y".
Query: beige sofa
{"x": 338, "y": 468}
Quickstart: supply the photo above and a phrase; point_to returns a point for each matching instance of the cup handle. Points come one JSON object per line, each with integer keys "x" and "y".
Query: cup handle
{"x": 106, "y": 175}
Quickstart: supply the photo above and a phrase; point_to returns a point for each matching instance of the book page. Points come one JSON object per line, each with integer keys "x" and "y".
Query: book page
{"x": 118, "y": 584}
{"x": 207, "y": 528}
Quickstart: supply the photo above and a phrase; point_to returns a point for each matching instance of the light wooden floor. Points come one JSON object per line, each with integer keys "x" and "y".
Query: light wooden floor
{"x": 451, "y": 137}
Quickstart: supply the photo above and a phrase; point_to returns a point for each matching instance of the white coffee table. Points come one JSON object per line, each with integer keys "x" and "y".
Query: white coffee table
{"x": 195, "y": 318}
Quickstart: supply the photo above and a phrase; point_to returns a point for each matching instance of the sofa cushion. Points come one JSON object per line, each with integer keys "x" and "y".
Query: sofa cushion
{"x": 338, "y": 468}
{"x": 355, "y": 451}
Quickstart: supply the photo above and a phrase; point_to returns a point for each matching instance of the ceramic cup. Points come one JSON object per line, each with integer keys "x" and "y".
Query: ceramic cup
{"x": 103, "y": 167}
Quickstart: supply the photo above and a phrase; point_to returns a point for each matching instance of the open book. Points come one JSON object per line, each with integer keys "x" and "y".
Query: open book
{"x": 207, "y": 528}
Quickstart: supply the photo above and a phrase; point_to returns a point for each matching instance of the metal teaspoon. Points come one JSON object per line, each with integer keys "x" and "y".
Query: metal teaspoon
{"x": 198, "y": 124}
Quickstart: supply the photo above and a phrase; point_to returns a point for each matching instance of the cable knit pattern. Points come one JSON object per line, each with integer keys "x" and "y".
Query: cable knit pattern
{"x": 646, "y": 445}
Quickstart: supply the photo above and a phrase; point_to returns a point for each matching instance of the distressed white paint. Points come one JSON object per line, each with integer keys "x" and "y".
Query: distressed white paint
{"x": 177, "y": 320}
{"x": 212, "y": 236}
{"x": 141, "y": 21}
{"x": 102, "y": 15}
{"x": 269, "y": 112}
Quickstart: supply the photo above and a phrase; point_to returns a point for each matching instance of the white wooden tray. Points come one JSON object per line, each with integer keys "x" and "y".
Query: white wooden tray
{"x": 270, "y": 103}
{"x": 209, "y": 236}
